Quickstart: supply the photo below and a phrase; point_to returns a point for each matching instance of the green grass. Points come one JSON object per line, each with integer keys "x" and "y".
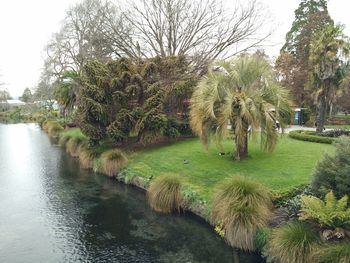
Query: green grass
{"x": 288, "y": 166}
{"x": 74, "y": 132}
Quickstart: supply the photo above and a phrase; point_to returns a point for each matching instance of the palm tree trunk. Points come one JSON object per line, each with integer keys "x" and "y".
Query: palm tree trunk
{"x": 242, "y": 146}
{"x": 322, "y": 108}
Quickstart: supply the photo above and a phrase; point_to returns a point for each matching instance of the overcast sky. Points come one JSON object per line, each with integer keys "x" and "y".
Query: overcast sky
{"x": 26, "y": 26}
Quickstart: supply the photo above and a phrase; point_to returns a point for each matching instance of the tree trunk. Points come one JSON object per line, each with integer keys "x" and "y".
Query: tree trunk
{"x": 322, "y": 108}
{"x": 242, "y": 146}
{"x": 331, "y": 110}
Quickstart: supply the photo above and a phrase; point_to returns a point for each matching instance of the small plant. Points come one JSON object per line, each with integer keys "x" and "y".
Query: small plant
{"x": 242, "y": 207}
{"x": 54, "y": 129}
{"x": 261, "y": 238}
{"x": 332, "y": 172}
{"x": 164, "y": 194}
{"x": 86, "y": 156}
{"x": 292, "y": 243}
{"x": 332, "y": 214}
{"x": 336, "y": 252}
{"x": 63, "y": 140}
{"x": 218, "y": 230}
{"x": 112, "y": 161}
{"x": 72, "y": 146}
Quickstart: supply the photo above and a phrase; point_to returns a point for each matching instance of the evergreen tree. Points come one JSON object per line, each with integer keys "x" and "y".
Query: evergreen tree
{"x": 293, "y": 63}
{"x": 328, "y": 49}
{"x": 27, "y": 95}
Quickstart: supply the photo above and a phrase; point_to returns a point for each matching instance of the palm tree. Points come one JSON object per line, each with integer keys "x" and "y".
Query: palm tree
{"x": 328, "y": 48}
{"x": 245, "y": 93}
{"x": 66, "y": 91}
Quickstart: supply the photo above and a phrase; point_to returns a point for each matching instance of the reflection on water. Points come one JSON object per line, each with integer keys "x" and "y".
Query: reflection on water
{"x": 52, "y": 211}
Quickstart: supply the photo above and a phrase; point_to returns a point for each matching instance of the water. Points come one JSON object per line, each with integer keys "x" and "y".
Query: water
{"x": 53, "y": 211}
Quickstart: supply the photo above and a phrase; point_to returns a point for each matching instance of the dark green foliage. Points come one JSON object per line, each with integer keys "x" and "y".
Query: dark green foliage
{"x": 176, "y": 128}
{"x": 332, "y": 172}
{"x": 151, "y": 126}
{"x": 336, "y": 133}
{"x": 261, "y": 238}
{"x": 121, "y": 98}
{"x": 310, "y": 137}
{"x": 119, "y": 130}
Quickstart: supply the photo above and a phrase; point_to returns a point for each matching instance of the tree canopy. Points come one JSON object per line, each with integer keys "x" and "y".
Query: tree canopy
{"x": 245, "y": 93}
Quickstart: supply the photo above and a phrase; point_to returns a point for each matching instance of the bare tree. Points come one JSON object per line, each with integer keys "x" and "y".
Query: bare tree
{"x": 81, "y": 37}
{"x": 203, "y": 30}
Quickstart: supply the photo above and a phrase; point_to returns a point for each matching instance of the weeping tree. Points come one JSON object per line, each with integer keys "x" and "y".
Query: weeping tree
{"x": 243, "y": 92}
{"x": 329, "y": 48}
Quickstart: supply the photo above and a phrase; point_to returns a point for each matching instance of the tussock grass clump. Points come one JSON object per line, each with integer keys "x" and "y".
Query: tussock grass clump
{"x": 294, "y": 242}
{"x": 72, "y": 146}
{"x": 241, "y": 207}
{"x": 63, "y": 140}
{"x": 337, "y": 252}
{"x": 46, "y": 124}
{"x": 164, "y": 194}
{"x": 86, "y": 156}
{"x": 54, "y": 129}
{"x": 112, "y": 161}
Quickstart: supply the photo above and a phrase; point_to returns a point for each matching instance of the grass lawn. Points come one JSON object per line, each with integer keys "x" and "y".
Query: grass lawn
{"x": 74, "y": 132}
{"x": 288, "y": 166}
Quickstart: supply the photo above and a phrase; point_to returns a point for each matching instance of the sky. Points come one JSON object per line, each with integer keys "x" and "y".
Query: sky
{"x": 27, "y": 26}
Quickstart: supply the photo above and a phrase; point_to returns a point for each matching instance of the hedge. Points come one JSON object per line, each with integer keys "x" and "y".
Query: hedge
{"x": 310, "y": 136}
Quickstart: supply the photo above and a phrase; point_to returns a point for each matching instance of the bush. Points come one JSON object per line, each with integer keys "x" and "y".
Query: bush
{"x": 112, "y": 161}
{"x": 164, "y": 193}
{"x": 310, "y": 137}
{"x": 293, "y": 243}
{"x": 241, "y": 207}
{"x": 63, "y": 140}
{"x": 331, "y": 213}
{"x": 332, "y": 172}
{"x": 337, "y": 252}
{"x": 86, "y": 156}
{"x": 72, "y": 146}
{"x": 261, "y": 238}
{"x": 336, "y": 133}
{"x": 54, "y": 129}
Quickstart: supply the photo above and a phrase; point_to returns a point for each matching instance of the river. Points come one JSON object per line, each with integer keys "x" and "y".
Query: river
{"x": 53, "y": 211}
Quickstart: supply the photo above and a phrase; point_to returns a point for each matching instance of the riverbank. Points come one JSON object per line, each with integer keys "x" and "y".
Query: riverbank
{"x": 54, "y": 211}
{"x": 282, "y": 171}
{"x": 234, "y": 197}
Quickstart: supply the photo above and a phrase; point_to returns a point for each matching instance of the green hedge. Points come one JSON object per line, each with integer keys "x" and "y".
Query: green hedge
{"x": 310, "y": 136}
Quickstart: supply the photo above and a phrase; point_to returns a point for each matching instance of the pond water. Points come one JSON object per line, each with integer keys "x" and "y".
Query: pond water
{"x": 53, "y": 211}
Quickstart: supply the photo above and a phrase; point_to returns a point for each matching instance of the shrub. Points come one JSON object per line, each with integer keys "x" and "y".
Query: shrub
{"x": 261, "y": 238}
{"x": 86, "y": 156}
{"x": 54, "y": 129}
{"x": 332, "y": 172}
{"x": 310, "y": 137}
{"x": 72, "y": 146}
{"x": 63, "y": 140}
{"x": 164, "y": 193}
{"x": 336, "y": 252}
{"x": 329, "y": 213}
{"x": 242, "y": 207}
{"x": 112, "y": 161}
{"x": 336, "y": 133}
{"x": 292, "y": 243}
